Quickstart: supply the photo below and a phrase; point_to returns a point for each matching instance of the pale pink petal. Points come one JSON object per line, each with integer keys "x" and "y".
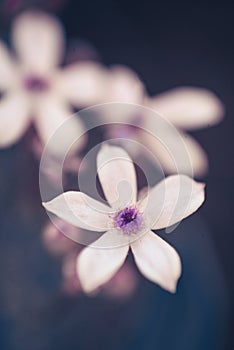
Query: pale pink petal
{"x": 172, "y": 200}
{"x": 57, "y": 125}
{"x": 124, "y": 92}
{"x": 115, "y": 238}
{"x": 38, "y": 41}
{"x": 123, "y": 285}
{"x": 188, "y": 107}
{"x": 81, "y": 210}
{"x": 117, "y": 175}
{"x": 70, "y": 284}
{"x": 177, "y": 153}
{"x": 120, "y": 117}
{"x": 124, "y": 86}
{"x": 142, "y": 194}
{"x": 157, "y": 261}
{"x": 14, "y": 118}
{"x": 197, "y": 155}
{"x": 57, "y": 241}
{"x": 95, "y": 266}
{"x": 8, "y": 72}
{"x": 82, "y": 84}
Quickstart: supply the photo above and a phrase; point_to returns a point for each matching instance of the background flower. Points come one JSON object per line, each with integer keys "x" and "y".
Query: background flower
{"x": 37, "y": 90}
{"x": 187, "y": 108}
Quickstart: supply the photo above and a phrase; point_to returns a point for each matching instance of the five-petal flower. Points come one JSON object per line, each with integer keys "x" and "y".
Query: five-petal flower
{"x": 128, "y": 222}
{"x": 186, "y": 108}
{"x": 35, "y": 89}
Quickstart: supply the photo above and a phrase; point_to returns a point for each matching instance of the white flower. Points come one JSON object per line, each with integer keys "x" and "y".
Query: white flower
{"x": 127, "y": 223}
{"x": 187, "y": 108}
{"x": 36, "y": 89}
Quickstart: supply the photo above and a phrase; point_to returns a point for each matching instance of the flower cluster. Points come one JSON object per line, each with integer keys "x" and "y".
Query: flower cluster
{"x": 40, "y": 91}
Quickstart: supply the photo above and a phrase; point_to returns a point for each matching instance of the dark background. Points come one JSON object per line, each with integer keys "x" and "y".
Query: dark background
{"x": 168, "y": 44}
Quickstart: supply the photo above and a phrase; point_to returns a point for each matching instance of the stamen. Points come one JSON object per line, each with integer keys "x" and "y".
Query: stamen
{"x": 129, "y": 220}
{"x": 35, "y": 84}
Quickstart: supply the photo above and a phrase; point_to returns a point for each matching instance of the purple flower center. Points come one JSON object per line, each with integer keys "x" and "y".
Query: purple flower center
{"x": 35, "y": 84}
{"x": 129, "y": 220}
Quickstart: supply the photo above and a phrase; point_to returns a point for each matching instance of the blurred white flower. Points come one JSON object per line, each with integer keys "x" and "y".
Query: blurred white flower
{"x": 55, "y": 240}
{"x": 127, "y": 223}
{"x": 70, "y": 281}
{"x": 187, "y": 108}
{"x": 35, "y": 89}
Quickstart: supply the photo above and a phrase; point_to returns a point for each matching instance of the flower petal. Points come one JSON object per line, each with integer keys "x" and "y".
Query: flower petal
{"x": 7, "y": 68}
{"x": 157, "y": 261}
{"x": 123, "y": 93}
{"x": 175, "y": 154}
{"x": 197, "y": 155}
{"x": 14, "y": 118}
{"x": 97, "y": 266}
{"x": 81, "y": 210}
{"x": 57, "y": 125}
{"x": 124, "y": 86}
{"x": 188, "y": 107}
{"x": 38, "y": 40}
{"x": 82, "y": 83}
{"x": 172, "y": 200}
{"x": 117, "y": 176}
{"x": 115, "y": 238}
